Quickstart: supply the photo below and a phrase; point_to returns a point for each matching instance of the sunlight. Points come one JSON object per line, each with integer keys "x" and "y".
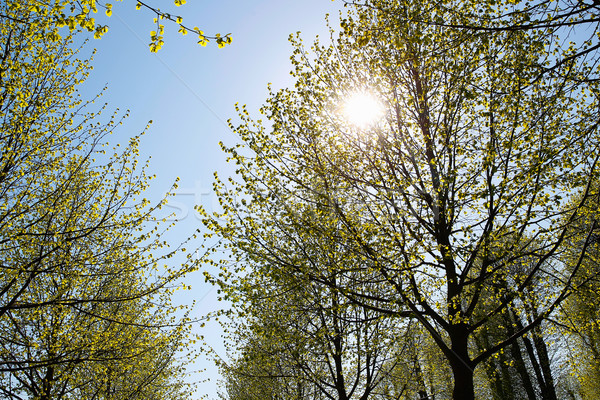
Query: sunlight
{"x": 362, "y": 109}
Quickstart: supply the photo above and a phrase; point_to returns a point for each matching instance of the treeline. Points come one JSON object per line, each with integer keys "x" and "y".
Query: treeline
{"x": 448, "y": 250}
{"x": 85, "y": 298}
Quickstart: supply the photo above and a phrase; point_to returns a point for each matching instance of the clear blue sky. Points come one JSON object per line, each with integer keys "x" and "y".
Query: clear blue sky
{"x": 189, "y": 92}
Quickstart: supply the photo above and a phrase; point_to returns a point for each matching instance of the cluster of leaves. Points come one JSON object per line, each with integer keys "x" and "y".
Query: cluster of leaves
{"x": 456, "y": 210}
{"x": 50, "y": 16}
{"x": 85, "y": 306}
{"x": 157, "y": 35}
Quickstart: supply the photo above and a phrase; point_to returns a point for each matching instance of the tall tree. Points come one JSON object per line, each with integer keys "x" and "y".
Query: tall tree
{"x": 301, "y": 337}
{"x": 472, "y": 152}
{"x": 79, "y": 287}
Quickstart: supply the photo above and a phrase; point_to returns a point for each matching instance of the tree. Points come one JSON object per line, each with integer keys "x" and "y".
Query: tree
{"x": 525, "y": 370}
{"x": 476, "y": 148}
{"x": 81, "y": 294}
{"x": 302, "y": 338}
{"x": 116, "y": 353}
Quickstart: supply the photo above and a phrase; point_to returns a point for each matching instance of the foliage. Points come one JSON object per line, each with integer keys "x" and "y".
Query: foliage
{"x": 301, "y": 338}
{"x": 85, "y": 307}
{"x": 157, "y": 38}
{"x": 581, "y": 313}
{"x": 552, "y": 21}
{"x": 478, "y": 147}
{"x": 49, "y": 16}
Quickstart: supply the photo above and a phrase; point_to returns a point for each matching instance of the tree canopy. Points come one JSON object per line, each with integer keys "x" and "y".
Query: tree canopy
{"x": 85, "y": 295}
{"x": 454, "y": 207}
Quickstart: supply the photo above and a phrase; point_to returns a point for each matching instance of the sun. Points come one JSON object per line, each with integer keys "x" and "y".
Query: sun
{"x": 362, "y": 109}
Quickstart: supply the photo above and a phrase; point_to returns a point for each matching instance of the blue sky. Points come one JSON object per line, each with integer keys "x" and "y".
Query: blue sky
{"x": 189, "y": 92}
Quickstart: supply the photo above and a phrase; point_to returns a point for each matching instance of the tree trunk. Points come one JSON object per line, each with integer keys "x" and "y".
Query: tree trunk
{"x": 462, "y": 367}
{"x": 422, "y": 391}
{"x": 549, "y": 392}
{"x": 463, "y": 382}
{"x": 517, "y": 355}
{"x": 515, "y": 349}
{"x": 47, "y": 383}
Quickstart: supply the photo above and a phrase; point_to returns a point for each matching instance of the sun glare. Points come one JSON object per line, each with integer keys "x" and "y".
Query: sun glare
{"x": 362, "y": 109}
